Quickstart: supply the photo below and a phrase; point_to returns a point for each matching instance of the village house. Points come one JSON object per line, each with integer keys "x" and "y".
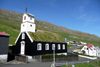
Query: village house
{"x": 90, "y": 50}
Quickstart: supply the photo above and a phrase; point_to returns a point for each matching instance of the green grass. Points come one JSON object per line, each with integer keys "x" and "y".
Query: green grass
{"x": 81, "y": 65}
{"x": 9, "y": 29}
{"x": 96, "y": 63}
{"x": 41, "y": 35}
{"x": 80, "y": 47}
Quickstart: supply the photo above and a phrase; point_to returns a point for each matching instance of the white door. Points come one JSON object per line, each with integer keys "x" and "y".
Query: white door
{"x": 22, "y": 48}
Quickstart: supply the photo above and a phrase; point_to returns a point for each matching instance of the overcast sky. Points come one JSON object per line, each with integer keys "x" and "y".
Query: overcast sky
{"x": 80, "y": 15}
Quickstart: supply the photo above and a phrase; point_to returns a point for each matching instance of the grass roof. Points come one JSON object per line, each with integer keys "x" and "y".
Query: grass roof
{"x": 46, "y": 36}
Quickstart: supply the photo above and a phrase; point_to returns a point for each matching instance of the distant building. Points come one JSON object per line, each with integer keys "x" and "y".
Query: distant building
{"x": 90, "y": 50}
{"x": 4, "y": 42}
{"x": 83, "y": 43}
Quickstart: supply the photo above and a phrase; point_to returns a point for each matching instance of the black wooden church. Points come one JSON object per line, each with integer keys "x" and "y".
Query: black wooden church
{"x": 25, "y": 45}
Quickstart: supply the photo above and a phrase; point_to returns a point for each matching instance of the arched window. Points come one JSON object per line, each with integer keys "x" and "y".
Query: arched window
{"x": 39, "y": 46}
{"x": 24, "y": 17}
{"x": 23, "y": 35}
{"x": 59, "y": 47}
{"x": 63, "y": 46}
{"x": 53, "y": 46}
{"x": 46, "y": 46}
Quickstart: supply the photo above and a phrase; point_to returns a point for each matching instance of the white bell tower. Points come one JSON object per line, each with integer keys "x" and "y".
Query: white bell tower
{"x": 28, "y": 24}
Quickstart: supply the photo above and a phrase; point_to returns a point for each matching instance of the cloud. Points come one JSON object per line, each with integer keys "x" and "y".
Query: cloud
{"x": 85, "y": 15}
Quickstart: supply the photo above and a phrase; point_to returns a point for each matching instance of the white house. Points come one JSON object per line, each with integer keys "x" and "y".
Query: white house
{"x": 90, "y": 50}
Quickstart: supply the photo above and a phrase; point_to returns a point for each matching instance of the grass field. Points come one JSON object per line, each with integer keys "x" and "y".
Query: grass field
{"x": 81, "y": 65}
{"x": 97, "y": 63}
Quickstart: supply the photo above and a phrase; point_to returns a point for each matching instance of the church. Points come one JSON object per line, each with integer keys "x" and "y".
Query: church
{"x": 27, "y": 45}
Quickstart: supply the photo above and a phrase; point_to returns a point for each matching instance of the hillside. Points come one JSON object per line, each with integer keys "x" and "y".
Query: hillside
{"x": 10, "y": 23}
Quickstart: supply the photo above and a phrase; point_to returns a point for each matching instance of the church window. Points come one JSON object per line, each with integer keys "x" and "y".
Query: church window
{"x": 59, "y": 47}
{"x": 23, "y": 35}
{"x": 24, "y": 17}
{"x": 30, "y": 18}
{"x": 30, "y": 25}
{"x": 39, "y": 46}
{"x": 63, "y": 46}
{"x": 53, "y": 46}
{"x": 47, "y": 47}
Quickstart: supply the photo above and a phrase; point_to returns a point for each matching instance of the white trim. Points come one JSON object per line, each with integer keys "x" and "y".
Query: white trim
{"x": 18, "y": 37}
{"x": 22, "y": 51}
{"x": 3, "y": 57}
{"x": 27, "y": 35}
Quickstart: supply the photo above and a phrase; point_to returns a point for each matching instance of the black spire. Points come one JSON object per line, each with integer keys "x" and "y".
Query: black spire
{"x": 26, "y": 8}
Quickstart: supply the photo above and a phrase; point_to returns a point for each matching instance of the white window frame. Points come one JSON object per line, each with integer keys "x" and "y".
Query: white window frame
{"x": 22, "y": 50}
{"x": 59, "y": 46}
{"x": 47, "y": 46}
{"x": 63, "y": 46}
{"x": 23, "y": 35}
{"x": 39, "y": 46}
{"x": 53, "y": 46}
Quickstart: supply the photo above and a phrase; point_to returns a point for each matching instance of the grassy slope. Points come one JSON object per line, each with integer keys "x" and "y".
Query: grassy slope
{"x": 10, "y": 23}
{"x": 6, "y": 27}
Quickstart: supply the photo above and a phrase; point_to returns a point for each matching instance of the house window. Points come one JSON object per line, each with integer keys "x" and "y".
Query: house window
{"x": 47, "y": 47}
{"x": 53, "y": 46}
{"x": 39, "y": 46}
{"x": 87, "y": 48}
{"x": 63, "y": 46}
{"x": 23, "y": 35}
{"x": 59, "y": 47}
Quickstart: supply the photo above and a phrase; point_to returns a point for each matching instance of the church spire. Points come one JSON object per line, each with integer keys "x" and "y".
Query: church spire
{"x": 26, "y": 8}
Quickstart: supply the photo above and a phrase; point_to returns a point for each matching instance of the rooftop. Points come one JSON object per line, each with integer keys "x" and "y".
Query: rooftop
{"x": 29, "y": 14}
{"x": 41, "y": 35}
{"x": 3, "y": 33}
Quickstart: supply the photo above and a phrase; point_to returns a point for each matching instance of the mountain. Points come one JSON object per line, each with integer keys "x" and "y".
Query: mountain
{"x": 10, "y": 23}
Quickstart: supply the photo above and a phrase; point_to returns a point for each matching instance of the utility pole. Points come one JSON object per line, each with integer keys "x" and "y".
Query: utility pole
{"x": 54, "y": 55}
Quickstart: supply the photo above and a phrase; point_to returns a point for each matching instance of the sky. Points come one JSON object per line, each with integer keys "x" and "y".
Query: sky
{"x": 80, "y": 15}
